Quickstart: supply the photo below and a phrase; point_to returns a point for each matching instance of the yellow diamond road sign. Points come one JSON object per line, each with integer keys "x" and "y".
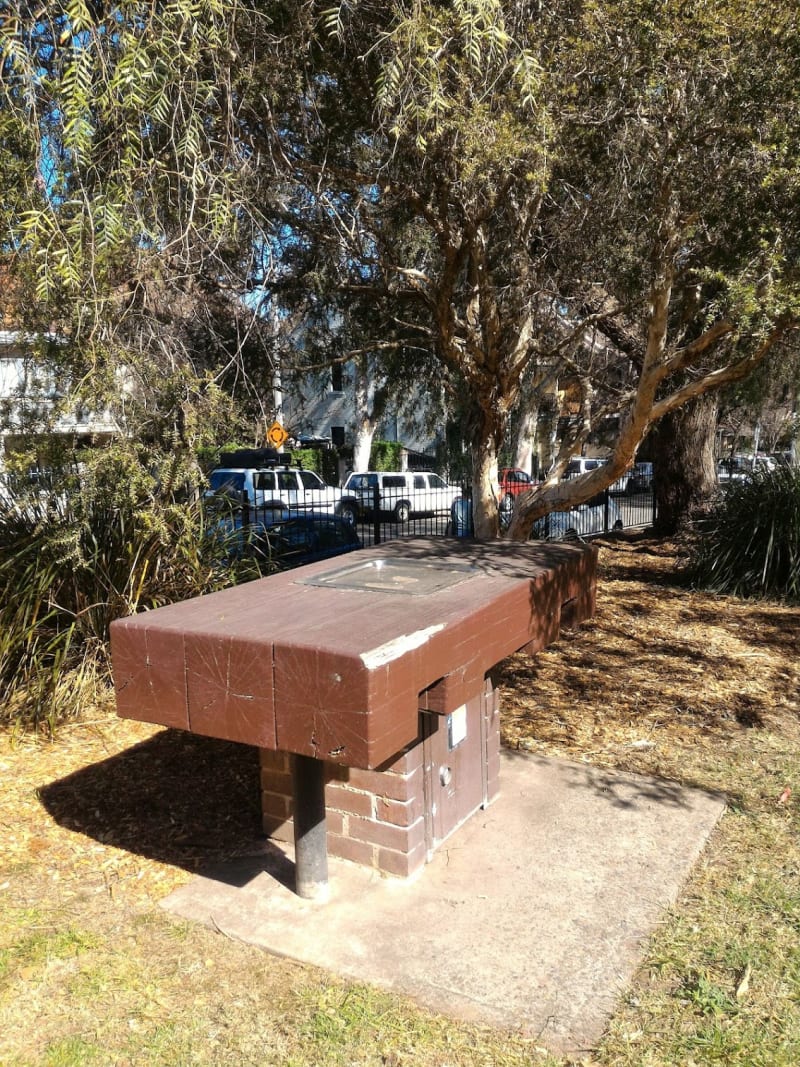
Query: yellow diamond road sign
{"x": 276, "y": 435}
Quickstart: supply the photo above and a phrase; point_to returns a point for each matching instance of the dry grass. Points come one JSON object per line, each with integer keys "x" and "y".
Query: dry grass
{"x": 101, "y": 824}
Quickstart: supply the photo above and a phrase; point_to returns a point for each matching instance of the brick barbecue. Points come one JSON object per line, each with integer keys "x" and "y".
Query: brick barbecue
{"x": 355, "y": 673}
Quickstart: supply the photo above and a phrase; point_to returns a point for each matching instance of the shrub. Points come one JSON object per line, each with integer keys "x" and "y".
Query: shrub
{"x": 386, "y": 456}
{"x": 125, "y": 534}
{"x": 749, "y": 545}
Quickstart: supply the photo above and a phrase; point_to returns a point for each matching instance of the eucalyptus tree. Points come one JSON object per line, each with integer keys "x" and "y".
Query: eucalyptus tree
{"x": 615, "y": 172}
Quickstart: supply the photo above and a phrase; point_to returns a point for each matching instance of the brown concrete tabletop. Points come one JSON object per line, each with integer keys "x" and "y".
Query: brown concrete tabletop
{"x": 334, "y": 660}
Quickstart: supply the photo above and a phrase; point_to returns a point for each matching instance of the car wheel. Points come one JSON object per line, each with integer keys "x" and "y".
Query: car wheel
{"x": 402, "y": 511}
{"x": 272, "y": 512}
{"x": 348, "y": 513}
{"x": 571, "y": 534}
{"x": 618, "y": 525}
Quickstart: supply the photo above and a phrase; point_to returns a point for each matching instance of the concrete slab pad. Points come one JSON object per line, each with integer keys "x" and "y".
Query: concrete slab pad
{"x": 532, "y": 917}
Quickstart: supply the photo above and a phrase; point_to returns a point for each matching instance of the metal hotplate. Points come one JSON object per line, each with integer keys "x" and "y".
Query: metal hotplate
{"x": 414, "y": 577}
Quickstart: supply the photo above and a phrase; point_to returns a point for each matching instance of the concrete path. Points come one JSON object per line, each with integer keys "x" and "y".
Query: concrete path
{"x": 532, "y": 917}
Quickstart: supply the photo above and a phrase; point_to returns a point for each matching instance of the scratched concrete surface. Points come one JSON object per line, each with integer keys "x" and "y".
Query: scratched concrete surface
{"x": 533, "y": 916}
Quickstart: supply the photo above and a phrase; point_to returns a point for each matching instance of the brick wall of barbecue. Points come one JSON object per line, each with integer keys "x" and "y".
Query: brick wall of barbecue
{"x": 375, "y": 818}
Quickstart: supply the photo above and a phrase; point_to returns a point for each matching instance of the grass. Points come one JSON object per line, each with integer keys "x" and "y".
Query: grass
{"x": 101, "y": 823}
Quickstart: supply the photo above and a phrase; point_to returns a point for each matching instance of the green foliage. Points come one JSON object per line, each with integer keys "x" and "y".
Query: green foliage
{"x": 124, "y": 532}
{"x": 750, "y": 544}
{"x": 106, "y": 89}
{"x": 474, "y": 179}
{"x": 386, "y": 456}
{"x": 309, "y": 459}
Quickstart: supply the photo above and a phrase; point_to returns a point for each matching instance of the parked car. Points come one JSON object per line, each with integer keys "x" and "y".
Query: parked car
{"x": 581, "y": 464}
{"x": 640, "y": 479}
{"x": 238, "y": 539}
{"x": 582, "y": 520}
{"x": 621, "y": 484}
{"x": 513, "y": 481}
{"x": 739, "y": 466}
{"x": 401, "y": 493}
{"x": 734, "y": 468}
{"x": 305, "y": 538}
{"x": 275, "y": 487}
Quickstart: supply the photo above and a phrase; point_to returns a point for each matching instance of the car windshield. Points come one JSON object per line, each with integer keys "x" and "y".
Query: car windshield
{"x": 226, "y": 481}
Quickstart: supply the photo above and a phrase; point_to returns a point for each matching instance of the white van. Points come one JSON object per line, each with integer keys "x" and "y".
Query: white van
{"x": 581, "y": 464}
{"x": 400, "y": 493}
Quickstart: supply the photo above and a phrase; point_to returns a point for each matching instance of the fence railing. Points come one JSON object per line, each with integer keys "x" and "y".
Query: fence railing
{"x": 381, "y": 517}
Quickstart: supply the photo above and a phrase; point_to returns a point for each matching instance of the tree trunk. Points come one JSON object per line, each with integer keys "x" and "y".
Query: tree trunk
{"x": 485, "y": 512}
{"x": 367, "y": 414}
{"x": 525, "y": 438}
{"x": 362, "y": 443}
{"x": 684, "y": 464}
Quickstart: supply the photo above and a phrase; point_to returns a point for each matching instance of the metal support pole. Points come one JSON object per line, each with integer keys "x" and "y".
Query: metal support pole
{"x": 310, "y": 844}
{"x": 376, "y": 514}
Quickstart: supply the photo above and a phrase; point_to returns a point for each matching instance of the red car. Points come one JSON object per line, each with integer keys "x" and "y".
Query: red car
{"x": 513, "y": 481}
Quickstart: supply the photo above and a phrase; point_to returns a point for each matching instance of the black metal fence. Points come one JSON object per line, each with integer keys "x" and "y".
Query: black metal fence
{"x": 389, "y": 515}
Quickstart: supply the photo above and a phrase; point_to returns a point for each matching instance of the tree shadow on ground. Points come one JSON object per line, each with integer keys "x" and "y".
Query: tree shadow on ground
{"x": 188, "y": 801}
{"x": 621, "y": 789}
{"x": 633, "y": 557}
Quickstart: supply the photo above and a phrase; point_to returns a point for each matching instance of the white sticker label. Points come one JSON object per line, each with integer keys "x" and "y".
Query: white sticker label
{"x": 457, "y": 726}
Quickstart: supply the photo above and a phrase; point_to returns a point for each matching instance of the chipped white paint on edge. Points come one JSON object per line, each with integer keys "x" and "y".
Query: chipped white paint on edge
{"x": 398, "y": 646}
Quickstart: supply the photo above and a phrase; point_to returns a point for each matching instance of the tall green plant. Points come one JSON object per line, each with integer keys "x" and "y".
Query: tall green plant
{"x": 750, "y": 544}
{"x": 124, "y": 537}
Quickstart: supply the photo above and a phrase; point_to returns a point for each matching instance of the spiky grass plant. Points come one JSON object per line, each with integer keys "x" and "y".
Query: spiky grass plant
{"x": 81, "y": 552}
{"x": 749, "y": 545}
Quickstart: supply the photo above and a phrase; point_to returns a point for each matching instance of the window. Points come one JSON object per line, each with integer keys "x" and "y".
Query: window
{"x": 227, "y": 481}
{"x": 287, "y": 481}
{"x": 436, "y": 482}
{"x": 264, "y": 480}
{"x": 337, "y": 378}
{"x": 310, "y": 480}
{"x": 419, "y": 482}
